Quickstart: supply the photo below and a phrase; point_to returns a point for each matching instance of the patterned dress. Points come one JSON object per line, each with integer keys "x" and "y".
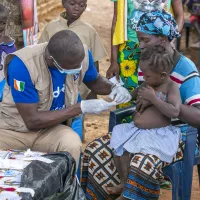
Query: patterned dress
{"x": 129, "y": 52}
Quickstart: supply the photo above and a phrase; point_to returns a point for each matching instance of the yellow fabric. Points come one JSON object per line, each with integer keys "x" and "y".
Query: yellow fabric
{"x": 119, "y": 35}
{"x": 171, "y": 10}
{"x": 168, "y": 7}
{"x": 119, "y": 32}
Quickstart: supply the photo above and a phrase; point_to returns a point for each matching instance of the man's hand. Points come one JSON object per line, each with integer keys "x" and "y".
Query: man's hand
{"x": 141, "y": 104}
{"x": 96, "y": 106}
{"x": 113, "y": 70}
{"x": 146, "y": 93}
{"x": 120, "y": 94}
{"x": 36, "y": 120}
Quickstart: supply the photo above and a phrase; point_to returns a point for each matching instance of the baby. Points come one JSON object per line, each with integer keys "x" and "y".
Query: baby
{"x": 151, "y": 131}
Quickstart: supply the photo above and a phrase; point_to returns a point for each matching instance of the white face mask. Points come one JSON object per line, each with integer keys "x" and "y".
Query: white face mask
{"x": 66, "y": 71}
{"x": 70, "y": 71}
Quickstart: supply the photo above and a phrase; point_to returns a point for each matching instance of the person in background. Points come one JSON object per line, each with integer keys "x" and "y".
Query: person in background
{"x": 7, "y": 45}
{"x": 125, "y": 51}
{"x": 71, "y": 20}
{"x": 194, "y": 9}
{"x": 14, "y": 23}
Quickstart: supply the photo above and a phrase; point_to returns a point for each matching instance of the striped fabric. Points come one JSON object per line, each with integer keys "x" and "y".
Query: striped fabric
{"x": 185, "y": 74}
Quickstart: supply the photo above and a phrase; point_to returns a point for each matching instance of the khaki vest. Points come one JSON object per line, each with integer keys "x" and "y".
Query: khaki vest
{"x": 34, "y": 59}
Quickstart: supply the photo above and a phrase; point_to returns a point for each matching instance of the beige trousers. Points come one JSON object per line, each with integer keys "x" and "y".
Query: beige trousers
{"x": 57, "y": 138}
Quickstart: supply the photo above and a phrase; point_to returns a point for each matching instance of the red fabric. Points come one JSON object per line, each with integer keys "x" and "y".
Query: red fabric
{"x": 193, "y": 18}
{"x": 7, "y": 189}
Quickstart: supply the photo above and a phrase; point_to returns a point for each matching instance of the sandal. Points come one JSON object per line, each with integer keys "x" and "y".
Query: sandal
{"x": 166, "y": 185}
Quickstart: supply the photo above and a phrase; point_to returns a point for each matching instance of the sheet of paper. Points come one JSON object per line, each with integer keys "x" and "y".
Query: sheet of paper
{"x": 13, "y": 164}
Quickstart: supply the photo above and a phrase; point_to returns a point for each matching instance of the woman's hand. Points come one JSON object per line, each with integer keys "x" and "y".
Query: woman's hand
{"x": 146, "y": 93}
{"x": 113, "y": 70}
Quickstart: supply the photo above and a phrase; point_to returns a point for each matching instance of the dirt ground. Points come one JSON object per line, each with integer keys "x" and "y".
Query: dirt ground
{"x": 99, "y": 15}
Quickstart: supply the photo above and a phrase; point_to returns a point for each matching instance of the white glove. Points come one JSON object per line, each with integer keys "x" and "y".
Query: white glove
{"x": 120, "y": 94}
{"x": 95, "y": 106}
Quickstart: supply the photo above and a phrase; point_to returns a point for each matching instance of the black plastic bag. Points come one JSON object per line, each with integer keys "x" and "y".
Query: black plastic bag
{"x": 54, "y": 181}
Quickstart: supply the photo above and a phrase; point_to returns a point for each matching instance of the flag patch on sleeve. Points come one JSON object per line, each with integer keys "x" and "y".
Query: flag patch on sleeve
{"x": 19, "y": 85}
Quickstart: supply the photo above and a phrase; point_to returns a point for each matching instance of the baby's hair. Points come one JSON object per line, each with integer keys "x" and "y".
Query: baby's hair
{"x": 159, "y": 59}
{"x": 3, "y": 9}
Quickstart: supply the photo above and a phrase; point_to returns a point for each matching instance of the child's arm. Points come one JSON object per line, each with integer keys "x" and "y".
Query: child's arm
{"x": 7, "y": 39}
{"x": 134, "y": 93}
{"x": 141, "y": 104}
{"x": 171, "y": 108}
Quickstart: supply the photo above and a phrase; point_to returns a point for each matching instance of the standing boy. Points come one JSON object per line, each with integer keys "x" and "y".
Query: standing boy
{"x": 70, "y": 20}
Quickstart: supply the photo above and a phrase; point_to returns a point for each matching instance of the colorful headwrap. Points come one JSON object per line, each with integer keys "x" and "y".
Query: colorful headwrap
{"x": 158, "y": 23}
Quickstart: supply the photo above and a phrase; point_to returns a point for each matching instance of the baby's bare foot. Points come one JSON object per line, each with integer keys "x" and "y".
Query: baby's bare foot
{"x": 115, "y": 189}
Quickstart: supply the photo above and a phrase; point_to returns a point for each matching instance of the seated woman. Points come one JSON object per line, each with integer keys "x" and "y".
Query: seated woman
{"x": 151, "y": 131}
{"x": 99, "y": 171}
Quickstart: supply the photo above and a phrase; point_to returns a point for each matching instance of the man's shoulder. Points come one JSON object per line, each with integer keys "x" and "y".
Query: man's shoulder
{"x": 16, "y": 61}
{"x": 16, "y": 66}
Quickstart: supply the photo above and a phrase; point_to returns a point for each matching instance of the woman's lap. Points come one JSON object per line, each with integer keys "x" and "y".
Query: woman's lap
{"x": 143, "y": 178}
{"x": 134, "y": 140}
{"x": 100, "y": 172}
